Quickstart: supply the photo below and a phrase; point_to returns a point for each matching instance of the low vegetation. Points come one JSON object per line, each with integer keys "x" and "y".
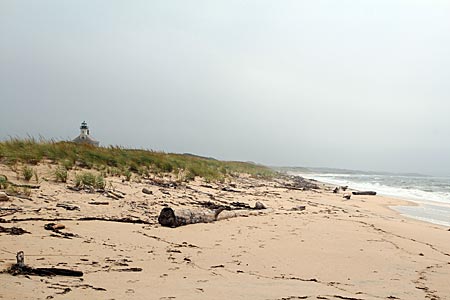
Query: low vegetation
{"x": 61, "y": 174}
{"x": 27, "y": 173}
{"x": 88, "y": 179}
{"x": 3, "y": 182}
{"x": 117, "y": 161}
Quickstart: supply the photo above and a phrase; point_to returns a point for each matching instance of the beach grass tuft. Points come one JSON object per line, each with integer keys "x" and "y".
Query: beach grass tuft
{"x": 27, "y": 173}
{"x": 61, "y": 174}
{"x": 3, "y": 182}
{"x": 88, "y": 179}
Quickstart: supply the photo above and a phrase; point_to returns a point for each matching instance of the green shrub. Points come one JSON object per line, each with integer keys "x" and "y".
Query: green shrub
{"x": 67, "y": 164}
{"x": 3, "y": 182}
{"x": 88, "y": 179}
{"x": 14, "y": 190}
{"x": 143, "y": 171}
{"x": 189, "y": 176}
{"x": 113, "y": 171}
{"x": 100, "y": 182}
{"x": 128, "y": 175}
{"x": 61, "y": 174}
{"x": 25, "y": 191}
{"x": 27, "y": 173}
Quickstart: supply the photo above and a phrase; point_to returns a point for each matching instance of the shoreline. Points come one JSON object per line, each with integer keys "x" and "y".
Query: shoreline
{"x": 402, "y": 209}
{"x": 330, "y": 249}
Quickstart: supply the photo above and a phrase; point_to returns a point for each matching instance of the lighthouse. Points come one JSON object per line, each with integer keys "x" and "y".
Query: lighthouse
{"x": 84, "y": 137}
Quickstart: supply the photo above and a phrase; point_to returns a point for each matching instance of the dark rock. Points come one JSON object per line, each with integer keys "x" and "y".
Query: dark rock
{"x": 259, "y": 205}
{"x": 301, "y": 184}
{"x": 3, "y": 197}
{"x": 298, "y": 208}
{"x": 147, "y": 191}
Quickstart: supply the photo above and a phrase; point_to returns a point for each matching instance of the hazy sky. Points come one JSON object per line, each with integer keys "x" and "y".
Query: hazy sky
{"x": 349, "y": 84}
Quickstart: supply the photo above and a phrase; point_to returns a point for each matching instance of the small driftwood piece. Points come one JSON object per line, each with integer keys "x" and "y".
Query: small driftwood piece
{"x": 114, "y": 195}
{"x": 56, "y": 228}
{"x": 229, "y": 189}
{"x": 134, "y": 269}
{"x": 106, "y": 219}
{"x": 11, "y": 208}
{"x": 175, "y": 218}
{"x": 116, "y": 219}
{"x": 163, "y": 183}
{"x": 13, "y": 230}
{"x": 28, "y": 186}
{"x": 21, "y": 269}
{"x": 98, "y": 203}
{"x": 365, "y": 193}
{"x": 68, "y": 206}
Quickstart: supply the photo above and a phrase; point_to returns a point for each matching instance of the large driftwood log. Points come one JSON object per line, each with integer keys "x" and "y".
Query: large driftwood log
{"x": 180, "y": 217}
{"x": 365, "y": 193}
{"x": 169, "y": 218}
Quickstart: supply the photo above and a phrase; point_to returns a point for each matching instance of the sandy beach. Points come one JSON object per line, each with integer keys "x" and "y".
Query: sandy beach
{"x": 333, "y": 249}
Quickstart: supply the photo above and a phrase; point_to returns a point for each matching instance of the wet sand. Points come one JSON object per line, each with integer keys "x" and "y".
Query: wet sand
{"x": 334, "y": 249}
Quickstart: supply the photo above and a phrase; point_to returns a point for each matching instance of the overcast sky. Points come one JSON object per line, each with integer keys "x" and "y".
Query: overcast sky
{"x": 348, "y": 84}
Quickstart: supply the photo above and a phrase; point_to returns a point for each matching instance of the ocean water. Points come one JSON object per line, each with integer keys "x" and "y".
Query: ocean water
{"x": 432, "y": 194}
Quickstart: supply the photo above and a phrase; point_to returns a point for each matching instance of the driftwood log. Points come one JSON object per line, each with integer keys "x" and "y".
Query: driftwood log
{"x": 169, "y": 217}
{"x": 365, "y": 193}
{"x": 21, "y": 269}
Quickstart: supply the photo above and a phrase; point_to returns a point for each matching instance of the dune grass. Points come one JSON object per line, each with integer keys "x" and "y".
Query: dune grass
{"x": 27, "y": 173}
{"x": 119, "y": 161}
{"x": 90, "y": 179}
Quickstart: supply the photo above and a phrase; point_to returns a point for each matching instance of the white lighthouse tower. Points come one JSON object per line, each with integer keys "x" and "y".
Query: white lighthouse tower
{"x": 84, "y": 137}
